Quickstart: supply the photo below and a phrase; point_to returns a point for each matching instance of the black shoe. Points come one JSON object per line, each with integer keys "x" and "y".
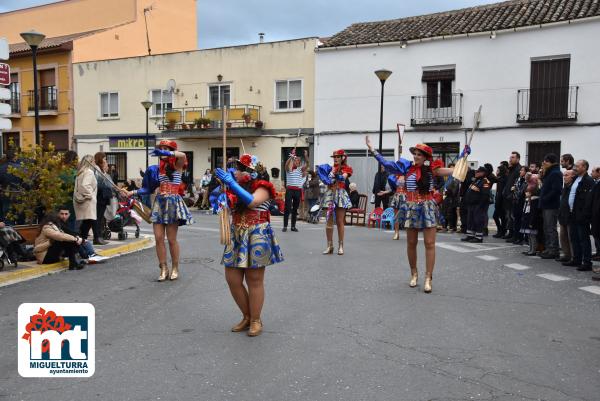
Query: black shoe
{"x": 476, "y": 240}
{"x": 571, "y": 263}
{"x": 585, "y": 267}
{"x": 509, "y": 239}
{"x": 76, "y": 265}
{"x": 530, "y": 253}
{"x": 294, "y": 229}
{"x": 508, "y": 236}
{"x": 547, "y": 255}
{"x": 100, "y": 241}
{"x": 498, "y": 235}
{"x": 284, "y": 229}
{"x": 466, "y": 239}
{"x": 563, "y": 259}
{"x": 518, "y": 242}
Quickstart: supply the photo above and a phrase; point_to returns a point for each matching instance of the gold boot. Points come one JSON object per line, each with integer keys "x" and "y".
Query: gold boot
{"x": 164, "y": 272}
{"x": 413, "y": 279}
{"x": 175, "y": 272}
{"x": 427, "y": 286}
{"x": 329, "y": 249}
{"x": 241, "y": 326}
{"x": 341, "y": 248}
{"x": 255, "y": 328}
{"x": 396, "y": 236}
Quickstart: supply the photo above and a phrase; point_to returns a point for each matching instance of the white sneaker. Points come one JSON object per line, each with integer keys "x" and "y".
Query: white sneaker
{"x": 95, "y": 258}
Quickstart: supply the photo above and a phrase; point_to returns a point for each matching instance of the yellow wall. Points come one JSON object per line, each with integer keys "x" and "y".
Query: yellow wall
{"x": 67, "y": 17}
{"x": 24, "y": 124}
{"x": 171, "y": 26}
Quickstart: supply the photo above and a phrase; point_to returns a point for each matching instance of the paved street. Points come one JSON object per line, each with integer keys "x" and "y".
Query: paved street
{"x": 498, "y": 326}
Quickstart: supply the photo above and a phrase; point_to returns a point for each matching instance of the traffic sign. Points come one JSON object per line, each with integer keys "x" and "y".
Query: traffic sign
{"x": 4, "y": 74}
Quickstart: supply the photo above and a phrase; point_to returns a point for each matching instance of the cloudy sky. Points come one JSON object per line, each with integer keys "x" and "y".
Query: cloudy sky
{"x": 234, "y": 22}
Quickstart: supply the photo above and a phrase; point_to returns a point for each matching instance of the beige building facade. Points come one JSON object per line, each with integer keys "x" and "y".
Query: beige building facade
{"x": 267, "y": 88}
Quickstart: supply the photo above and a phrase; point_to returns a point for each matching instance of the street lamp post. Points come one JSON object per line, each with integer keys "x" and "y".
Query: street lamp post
{"x": 33, "y": 39}
{"x": 382, "y": 75}
{"x": 147, "y": 104}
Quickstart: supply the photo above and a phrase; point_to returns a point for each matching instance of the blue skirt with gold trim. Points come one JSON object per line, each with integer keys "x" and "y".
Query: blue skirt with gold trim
{"x": 252, "y": 247}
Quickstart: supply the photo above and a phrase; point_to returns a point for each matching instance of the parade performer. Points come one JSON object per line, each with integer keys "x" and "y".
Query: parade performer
{"x": 253, "y": 244}
{"x": 396, "y": 182}
{"x": 420, "y": 211}
{"x": 336, "y": 198}
{"x": 168, "y": 210}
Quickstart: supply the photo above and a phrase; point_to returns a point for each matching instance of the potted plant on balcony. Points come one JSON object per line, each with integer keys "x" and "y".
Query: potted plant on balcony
{"x": 247, "y": 118}
{"x": 203, "y": 123}
{"x": 185, "y": 127}
{"x": 45, "y": 183}
{"x": 171, "y": 123}
{"x": 258, "y": 124}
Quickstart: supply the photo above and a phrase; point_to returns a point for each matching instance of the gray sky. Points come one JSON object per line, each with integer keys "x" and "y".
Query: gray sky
{"x": 234, "y": 22}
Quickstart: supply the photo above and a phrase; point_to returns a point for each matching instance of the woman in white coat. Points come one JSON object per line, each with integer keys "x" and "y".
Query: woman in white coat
{"x": 84, "y": 197}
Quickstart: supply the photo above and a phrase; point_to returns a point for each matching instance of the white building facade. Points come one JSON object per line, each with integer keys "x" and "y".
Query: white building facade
{"x": 539, "y": 88}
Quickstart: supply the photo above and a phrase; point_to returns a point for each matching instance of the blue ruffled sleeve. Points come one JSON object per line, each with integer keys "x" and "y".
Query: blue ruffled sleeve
{"x": 392, "y": 182}
{"x": 323, "y": 171}
{"x": 398, "y": 167}
{"x": 150, "y": 181}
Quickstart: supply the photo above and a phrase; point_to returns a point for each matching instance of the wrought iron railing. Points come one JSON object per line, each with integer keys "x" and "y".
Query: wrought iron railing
{"x": 48, "y": 98}
{"x": 437, "y": 110}
{"x": 203, "y": 118}
{"x": 15, "y": 102}
{"x": 547, "y": 104}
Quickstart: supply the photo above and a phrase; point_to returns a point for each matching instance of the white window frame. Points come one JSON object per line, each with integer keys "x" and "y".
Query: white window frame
{"x": 276, "y": 108}
{"x": 219, "y": 84}
{"x": 153, "y": 113}
{"x": 109, "y": 117}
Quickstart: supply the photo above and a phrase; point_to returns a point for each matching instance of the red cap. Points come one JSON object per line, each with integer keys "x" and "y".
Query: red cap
{"x": 423, "y": 148}
{"x": 168, "y": 143}
{"x": 339, "y": 152}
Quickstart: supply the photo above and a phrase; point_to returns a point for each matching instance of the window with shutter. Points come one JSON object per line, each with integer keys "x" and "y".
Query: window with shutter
{"x": 288, "y": 95}
{"x": 109, "y": 104}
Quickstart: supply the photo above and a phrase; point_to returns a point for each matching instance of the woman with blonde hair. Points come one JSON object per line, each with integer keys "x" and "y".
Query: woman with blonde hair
{"x": 84, "y": 197}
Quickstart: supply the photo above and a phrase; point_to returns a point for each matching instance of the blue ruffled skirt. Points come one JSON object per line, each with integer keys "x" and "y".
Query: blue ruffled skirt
{"x": 170, "y": 209}
{"x": 419, "y": 215}
{"x": 252, "y": 247}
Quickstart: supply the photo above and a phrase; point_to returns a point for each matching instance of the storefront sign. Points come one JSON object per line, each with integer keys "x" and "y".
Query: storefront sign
{"x": 131, "y": 142}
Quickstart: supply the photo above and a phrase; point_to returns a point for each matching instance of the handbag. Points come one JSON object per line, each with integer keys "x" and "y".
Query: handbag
{"x": 372, "y": 201}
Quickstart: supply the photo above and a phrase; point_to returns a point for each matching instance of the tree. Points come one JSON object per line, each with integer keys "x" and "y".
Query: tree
{"x": 45, "y": 183}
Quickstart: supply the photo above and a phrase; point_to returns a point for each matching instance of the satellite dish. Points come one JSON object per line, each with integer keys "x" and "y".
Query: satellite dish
{"x": 171, "y": 85}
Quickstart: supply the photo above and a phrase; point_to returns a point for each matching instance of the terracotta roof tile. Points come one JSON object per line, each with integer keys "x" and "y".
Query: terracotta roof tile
{"x": 486, "y": 18}
{"x": 49, "y": 43}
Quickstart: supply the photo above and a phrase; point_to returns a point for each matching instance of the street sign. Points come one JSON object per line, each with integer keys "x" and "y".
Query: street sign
{"x": 5, "y": 110}
{"x": 3, "y": 49}
{"x": 4, "y": 74}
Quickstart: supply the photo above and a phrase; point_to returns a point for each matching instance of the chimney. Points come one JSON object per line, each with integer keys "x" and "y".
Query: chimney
{"x": 261, "y": 37}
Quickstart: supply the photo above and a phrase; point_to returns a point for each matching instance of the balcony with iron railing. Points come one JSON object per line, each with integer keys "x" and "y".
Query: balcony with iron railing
{"x": 547, "y": 104}
{"x": 207, "y": 118}
{"x": 15, "y": 102}
{"x": 48, "y": 100}
{"x": 436, "y": 110}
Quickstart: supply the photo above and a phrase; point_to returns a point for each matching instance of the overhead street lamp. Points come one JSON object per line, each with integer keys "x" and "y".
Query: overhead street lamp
{"x": 147, "y": 104}
{"x": 383, "y": 75}
{"x": 33, "y": 39}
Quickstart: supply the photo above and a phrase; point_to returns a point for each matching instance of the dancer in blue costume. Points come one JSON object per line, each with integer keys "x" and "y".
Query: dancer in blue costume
{"x": 253, "y": 244}
{"x": 168, "y": 210}
{"x": 420, "y": 211}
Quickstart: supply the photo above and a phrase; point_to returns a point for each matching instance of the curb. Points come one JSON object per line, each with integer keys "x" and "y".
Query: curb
{"x": 29, "y": 273}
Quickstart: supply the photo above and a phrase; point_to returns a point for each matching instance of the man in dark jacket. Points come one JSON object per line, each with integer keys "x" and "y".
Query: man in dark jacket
{"x": 464, "y": 208}
{"x": 382, "y": 197}
{"x": 596, "y": 211}
{"x": 549, "y": 204}
{"x": 580, "y": 203}
{"x": 564, "y": 215}
{"x": 477, "y": 199}
{"x": 514, "y": 166}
